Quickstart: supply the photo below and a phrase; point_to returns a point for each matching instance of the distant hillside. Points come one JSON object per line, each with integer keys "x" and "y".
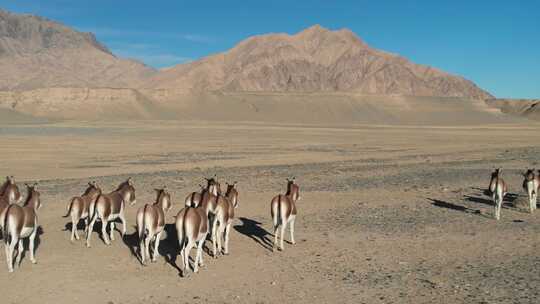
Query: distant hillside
{"x": 314, "y": 60}
{"x": 529, "y": 108}
{"x": 36, "y": 53}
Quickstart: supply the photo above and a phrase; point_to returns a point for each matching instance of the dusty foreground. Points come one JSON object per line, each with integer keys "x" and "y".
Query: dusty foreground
{"x": 388, "y": 215}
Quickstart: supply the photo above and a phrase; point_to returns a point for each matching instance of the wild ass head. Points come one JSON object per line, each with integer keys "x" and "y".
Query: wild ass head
{"x": 33, "y": 197}
{"x": 127, "y": 191}
{"x": 232, "y": 194}
{"x": 213, "y": 186}
{"x": 10, "y": 191}
{"x": 163, "y": 198}
{"x": 93, "y": 189}
{"x": 293, "y": 190}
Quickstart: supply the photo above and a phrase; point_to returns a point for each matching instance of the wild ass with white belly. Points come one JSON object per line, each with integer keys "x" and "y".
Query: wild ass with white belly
{"x": 20, "y": 223}
{"x": 79, "y": 208}
{"x": 151, "y": 222}
{"x": 531, "y": 185}
{"x": 283, "y": 211}
{"x": 108, "y": 208}
{"x": 498, "y": 189}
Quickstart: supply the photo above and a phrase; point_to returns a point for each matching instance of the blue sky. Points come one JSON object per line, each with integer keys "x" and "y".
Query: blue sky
{"x": 494, "y": 43}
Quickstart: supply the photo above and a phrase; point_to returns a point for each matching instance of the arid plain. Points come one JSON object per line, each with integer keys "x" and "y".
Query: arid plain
{"x": 389, "y": 214}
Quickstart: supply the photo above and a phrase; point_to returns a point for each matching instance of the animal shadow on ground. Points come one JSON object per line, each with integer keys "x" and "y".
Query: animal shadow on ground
{"x": 131, "y": 240}
{"x": 253, "y": 230}
{"x": 508, "y": 201}
{"x": 26, "y": 246}
{"x": 169, "y": 247}
{"x": 447, "y": 205}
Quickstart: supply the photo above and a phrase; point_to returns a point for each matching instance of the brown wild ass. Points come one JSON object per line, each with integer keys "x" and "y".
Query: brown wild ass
{"x": 79, "y": 208}
{"x": 109, "y": 207}
{"x": 9, "y": 194}
{"x": 151, "y": 222}
{"x": 20, "y": 223}
{"x": 531, "y": 184}
{"x": 212, "y": 186}
{"x": 10, "y": 191}
{"x": 192, "y": 229}
{"x": 498, "y": 190}
{"x": 224, "y": 217}
{"x": 283, "y": 211}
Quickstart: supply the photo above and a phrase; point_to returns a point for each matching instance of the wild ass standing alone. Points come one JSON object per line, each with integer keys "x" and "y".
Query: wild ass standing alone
{"x": 531, "y": 185}
{"x": 151, "y": 222}
{"x": 79, "y": 208}
{"x": 498, "y": 190}
{"x": 109, "y": 207}
{"x": 9, "y": 194}
{"x": 283, "y": 211}
{"x": 20, "y": 223}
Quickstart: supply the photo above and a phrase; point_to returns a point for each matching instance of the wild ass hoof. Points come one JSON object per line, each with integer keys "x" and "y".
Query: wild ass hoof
{"x": 34, "y": 261}
{"x": 10, "y": 270}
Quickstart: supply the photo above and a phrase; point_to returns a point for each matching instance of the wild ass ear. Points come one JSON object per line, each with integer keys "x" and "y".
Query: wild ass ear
{"x": 129, "y": 181}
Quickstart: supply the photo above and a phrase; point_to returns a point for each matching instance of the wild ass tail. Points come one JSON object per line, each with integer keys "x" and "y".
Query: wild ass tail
{"x": 69, "y": 208}
{"x": 180, "y": 229}
{"x": 5, "y": 231}
{"x": 142, "y": 228}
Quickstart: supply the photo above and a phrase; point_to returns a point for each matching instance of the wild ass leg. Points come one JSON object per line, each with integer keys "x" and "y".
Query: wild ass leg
{"x": 20, "y": 250}
{"x": 104, "y": 232}
{"x": 32, "y": 244}
{"x": 111, "y": 232}
{"x": 227, "y": 230}
{"x": 156, "y": 246}
{"x": 282, "y": 234}
{"x": 10, "y": 248}
{"x": 275, "y": 237}
{"x": 214, "y": 236}
{"x": 293, "y": 218}
{"x": 89, "y": 230}
{"x": 187, "y": 250}
{"x": 198, "y": 257}
{"x": 219, "y": 236}
{"x": 74, "y": 221}
{"x": 123, "y": 220}
{"x": 147, "y": 240}
{"x": 142, "y": 248}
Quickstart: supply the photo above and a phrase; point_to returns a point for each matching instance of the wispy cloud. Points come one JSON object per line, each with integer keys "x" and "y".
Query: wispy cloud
{"x": 115, "y": 33}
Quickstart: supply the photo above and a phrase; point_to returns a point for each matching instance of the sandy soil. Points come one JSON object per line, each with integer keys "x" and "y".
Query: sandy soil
{"x": 388, "y": 215}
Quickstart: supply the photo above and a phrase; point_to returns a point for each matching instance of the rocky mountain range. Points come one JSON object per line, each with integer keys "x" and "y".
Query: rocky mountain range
{"x": 50, "y": 70}
{"x": 36, "y": 53}
{"x": 314, "y": 60}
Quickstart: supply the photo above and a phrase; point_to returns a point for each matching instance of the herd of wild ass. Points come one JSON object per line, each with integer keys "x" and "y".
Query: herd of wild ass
{"x": 209, "y": 211}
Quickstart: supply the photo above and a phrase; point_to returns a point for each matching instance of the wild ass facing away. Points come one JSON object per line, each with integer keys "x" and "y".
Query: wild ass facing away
{"x": 192, "y": 229}
{"x": 194, "y": 199}
{"x": 223, "y": 219}
{"x": 79, "y": 208}
{"x": 498, "y": 190}
{"x": 109, "y": 207}
{"x": 151, "y": 222}
{"x": 283, "y": 211}
{"x": 9, "y": 194}
{"x": 20, "y": 223}
{"x": 531, "y": 185}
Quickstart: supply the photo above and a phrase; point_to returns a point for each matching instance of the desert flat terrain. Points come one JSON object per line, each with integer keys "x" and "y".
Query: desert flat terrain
{"x": 389, "y": 214}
